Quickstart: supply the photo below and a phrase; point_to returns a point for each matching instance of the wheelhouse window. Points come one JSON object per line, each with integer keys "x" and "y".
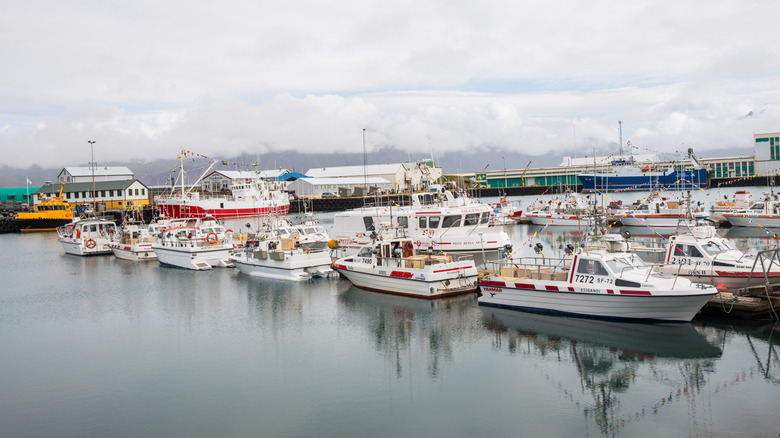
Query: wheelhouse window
{"x": 368, "y": 221}
{"x": 433, "y": 221}
{"x": 471, "y": 219}
{"x": 592, "y": 267}
{"x": 687, "y": 251}
{"x": 423, "y": 222}
{"x": 485, "y": 218}
{"x": 403, "y": 221}
{"x": 451, "y": 221}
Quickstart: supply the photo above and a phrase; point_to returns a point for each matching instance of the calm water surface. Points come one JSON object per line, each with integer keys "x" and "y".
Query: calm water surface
{"x": 103, "y": 347}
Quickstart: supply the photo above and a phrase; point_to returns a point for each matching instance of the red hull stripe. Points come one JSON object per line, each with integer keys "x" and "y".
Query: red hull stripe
{"x": 555, "y": 288}
{"x": 747, "y": 274}
{"x": 635, "y": 292}
{"x": 445, "y": 270}
{"x": 524, "y": 286}
{"x": 492, "y": 283}
{"x": 337, "y": 266}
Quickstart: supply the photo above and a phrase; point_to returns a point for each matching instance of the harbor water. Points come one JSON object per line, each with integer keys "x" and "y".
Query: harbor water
{"x": 95, "y": 346}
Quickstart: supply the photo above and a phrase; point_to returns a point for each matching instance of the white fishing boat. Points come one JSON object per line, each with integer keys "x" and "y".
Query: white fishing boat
{"x": 391, "y": 266}
{"x": 134, "y": 241}
{"x": 569, "y": 210}
{"x": 436, "y": 220}
{"x": 309, "y": 233}
{"x": 250, "y": 196}
{"x": 606, "y": 282}
{"x": 740, "y": 201}
{"x": 506, "y": 212}
{"x": 659, "y": 211}
{"x": 197, "y": 244}
{"x": 87, "y": 236}
{"x": 700, "y": 255}
{"x": 764, "y": 213}
{"x": 283, "y": 259}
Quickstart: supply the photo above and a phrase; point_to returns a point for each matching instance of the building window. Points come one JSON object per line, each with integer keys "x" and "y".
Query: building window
{"x": 12, "y": 197}
{"x": 75, "y": 195}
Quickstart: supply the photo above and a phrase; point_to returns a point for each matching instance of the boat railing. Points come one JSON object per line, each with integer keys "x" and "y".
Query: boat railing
{"x": 534, "y": 267}
{"x": 418, "y": 261}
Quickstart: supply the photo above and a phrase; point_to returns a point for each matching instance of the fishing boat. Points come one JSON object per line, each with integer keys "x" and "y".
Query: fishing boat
{"x": 436, "y": 220}
{"x": 251, "y": 196}
{"x": 625, "y": 174}
{"x": 392, "y": 266}
{"x": 309, "y": 233}
{"x": 134, "y": 241}
{"x": 569, "y": 210}
{"x": 283, "y": 259}
{"x": 658, "y": 211}
{"x": 601, "y": 279}
{"x": 700, "y": 255}
{"x": 739, "y": 201}
{"x": 52, "y": 212}
{"x": 85, "y": 237}
{"x": 764, "y": 213}
{"x": 506, "y": 212}
{"x": 194, "y": 243}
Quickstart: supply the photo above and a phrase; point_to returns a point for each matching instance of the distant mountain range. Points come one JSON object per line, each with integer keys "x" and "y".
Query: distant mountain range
{"x": 156, "y": 173}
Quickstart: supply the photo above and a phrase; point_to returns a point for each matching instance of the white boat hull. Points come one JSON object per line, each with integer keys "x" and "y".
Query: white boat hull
{"x": 649, "y": 220}
{"x": 440, "y": 281}
{"x": 566, "y": 298}
{"x": 285, "y": 265}
{"x": 743, "y": 220}
{"x": 135, "y": 253}
{"x": 558, "y": 220}
{"x": 194, "y": 257}
{"x": 79, "y": 246}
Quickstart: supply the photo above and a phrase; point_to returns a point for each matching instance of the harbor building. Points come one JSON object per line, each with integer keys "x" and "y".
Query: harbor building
{"x": 312, "y": 187}
{"x": 108, "y": 195}
{"x": 767, "y": 147}
{"x": 17, "y": 194}
{"x": 402, "y": 176}
{"x": 100, "y": 173}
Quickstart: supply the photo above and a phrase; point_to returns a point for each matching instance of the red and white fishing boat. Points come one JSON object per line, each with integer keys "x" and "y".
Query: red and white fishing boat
{"x": 659, "y": 212}
{"x": 391, "y": 266}
{"x": 85, "y": 237}
{"x": 740, "y": 201}
{"x": 434, "y": 220}
{"x": 703, "y": 257}
{"x": 197, "y": 244}
{"x": 251, "y": 196}
{"x": 570, "y": 210}
{"x": 134, "y": 242}
{"x": 764, "y": 213}
{"x": 605, "y": 282}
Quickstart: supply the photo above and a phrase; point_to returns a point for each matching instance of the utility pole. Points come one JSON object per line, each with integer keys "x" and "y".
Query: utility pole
{"x": 92, "y": 165}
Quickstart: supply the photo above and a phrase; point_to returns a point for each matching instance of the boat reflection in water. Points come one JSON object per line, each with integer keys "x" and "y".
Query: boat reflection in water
{"x": 400, "y": 325}
{"x": 604, "y": 359}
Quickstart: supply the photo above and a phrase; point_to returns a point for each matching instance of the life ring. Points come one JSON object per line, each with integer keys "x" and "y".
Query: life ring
{"x": 90, "y": 243}
{"x": 209, "y": 238}
{"x": 228, "y": 230}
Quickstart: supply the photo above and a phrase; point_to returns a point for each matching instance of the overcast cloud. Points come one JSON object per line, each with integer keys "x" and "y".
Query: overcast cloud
{"x": 147, "y": 78}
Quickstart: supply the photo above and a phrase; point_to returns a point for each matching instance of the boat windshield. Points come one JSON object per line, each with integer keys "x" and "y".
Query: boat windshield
{"x": 712, "y": 247}
{"x": 627, "y": 263}
{"x": 365, "y": 252}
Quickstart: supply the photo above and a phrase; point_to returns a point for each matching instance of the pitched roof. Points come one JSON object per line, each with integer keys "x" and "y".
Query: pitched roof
{"x": 344, "y": 181}
{"x": 87, "y": 186}
{"x": 345, "y": 171}
{"x": 99, "y": 170}
{"x": 236, "y": 174}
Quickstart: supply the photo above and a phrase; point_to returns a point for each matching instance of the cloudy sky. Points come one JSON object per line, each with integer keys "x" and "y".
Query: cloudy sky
{"x": 145, "y": 79}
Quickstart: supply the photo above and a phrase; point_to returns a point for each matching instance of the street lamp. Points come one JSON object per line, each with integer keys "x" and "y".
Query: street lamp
{"x": 504, "y": 172}
{"x": 92, "y": 165}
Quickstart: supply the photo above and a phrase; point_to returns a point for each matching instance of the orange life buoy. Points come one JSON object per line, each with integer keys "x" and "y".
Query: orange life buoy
{"x": 91, "y": 243}
{"x": 228, "y": 230}
{"x": 211, "y": 238}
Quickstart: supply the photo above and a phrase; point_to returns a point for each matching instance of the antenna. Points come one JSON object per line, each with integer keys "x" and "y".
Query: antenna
{"x": 620, "y": 129}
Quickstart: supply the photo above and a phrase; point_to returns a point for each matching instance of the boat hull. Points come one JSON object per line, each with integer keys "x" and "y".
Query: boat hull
{"x": 757, "y": 220}
{"x": 400, "y": 281}
{"x": 650, "y": 220}
{"x": 41, "y": 224}
{"x": 176, "y": 208}
{"x": 558, "y": 220}
{"x": 293, "y": 266}
{"x": 135, "y": 253}
{"x": 563, "y": 298}
{"x": 79, "y": 247}
{"x": 683, "y": 180}
{"x": 193, "y": 257}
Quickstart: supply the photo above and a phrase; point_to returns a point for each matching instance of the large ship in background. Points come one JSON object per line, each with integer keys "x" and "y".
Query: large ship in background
{"x": 626, "y": 174}
{"x": 249, "y": 197}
